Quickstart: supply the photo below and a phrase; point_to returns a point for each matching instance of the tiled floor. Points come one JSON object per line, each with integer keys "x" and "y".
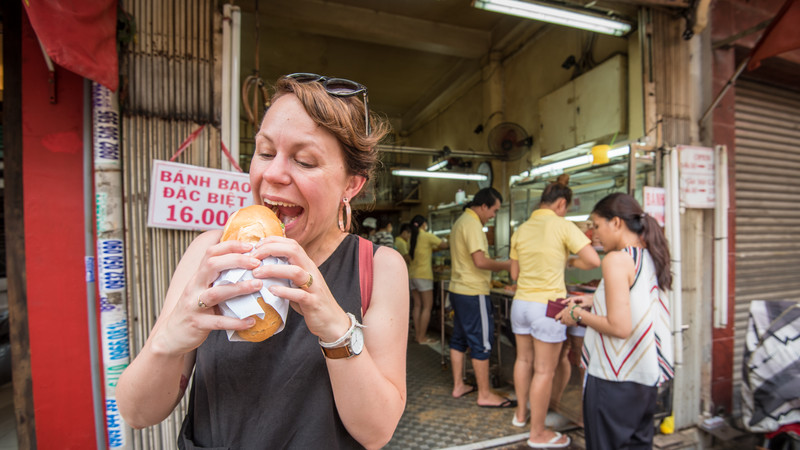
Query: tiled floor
{"x": 433, "y": 419}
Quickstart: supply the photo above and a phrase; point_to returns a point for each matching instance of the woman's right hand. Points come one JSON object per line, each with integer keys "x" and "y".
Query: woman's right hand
{"x": 584, "y": 300}
{"x": 155, "y": 381}
{"x": 190, "y": 310}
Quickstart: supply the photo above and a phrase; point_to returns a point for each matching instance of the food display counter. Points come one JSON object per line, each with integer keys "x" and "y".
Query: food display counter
{"x": 505, "y": 345}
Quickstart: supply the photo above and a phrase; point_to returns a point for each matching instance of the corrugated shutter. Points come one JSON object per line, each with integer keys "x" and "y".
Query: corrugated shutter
{"x": 167, "y": 93}
{"x": 767, "y": 203}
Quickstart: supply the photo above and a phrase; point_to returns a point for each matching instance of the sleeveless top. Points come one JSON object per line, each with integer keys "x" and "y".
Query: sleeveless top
{"x": 646, "y": 356}
{"x": 275, "y": 393}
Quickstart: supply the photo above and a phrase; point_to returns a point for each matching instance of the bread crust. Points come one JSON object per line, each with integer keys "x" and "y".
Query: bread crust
{"x": 251, "y": 224}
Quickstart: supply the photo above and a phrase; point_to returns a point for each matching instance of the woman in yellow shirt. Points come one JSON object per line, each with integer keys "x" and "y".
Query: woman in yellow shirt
{"x": 420, "y": 274}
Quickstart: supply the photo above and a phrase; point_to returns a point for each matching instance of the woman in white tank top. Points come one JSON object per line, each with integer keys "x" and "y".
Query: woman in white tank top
{"x": 628, "y": 345}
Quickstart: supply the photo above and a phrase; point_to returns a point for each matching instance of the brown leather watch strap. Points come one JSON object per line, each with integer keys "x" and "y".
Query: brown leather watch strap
{"x": 336, "y": 353}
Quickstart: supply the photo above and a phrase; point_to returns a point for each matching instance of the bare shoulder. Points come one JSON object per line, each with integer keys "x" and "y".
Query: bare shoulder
{"x": 389, "y": 287}
{"x": 387, "y": 258}
{"x": 618, "y": 268}
{"x": 616, "y": 258}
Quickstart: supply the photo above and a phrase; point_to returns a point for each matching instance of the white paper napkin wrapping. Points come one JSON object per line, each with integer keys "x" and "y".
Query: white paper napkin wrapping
{"x": 247, "y": 305}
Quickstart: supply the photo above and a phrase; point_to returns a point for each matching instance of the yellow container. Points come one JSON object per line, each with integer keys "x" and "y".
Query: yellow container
{"x": 600, "y": 154}
{"x": 668, "y": 425}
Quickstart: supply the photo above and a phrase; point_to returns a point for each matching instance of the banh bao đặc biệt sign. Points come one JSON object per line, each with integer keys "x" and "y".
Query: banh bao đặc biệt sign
{"x": 187, "y": 197}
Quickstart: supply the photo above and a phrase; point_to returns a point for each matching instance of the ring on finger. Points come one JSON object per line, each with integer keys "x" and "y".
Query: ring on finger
{"x": 308, "y": 283}
{"x": 201, "y": 304}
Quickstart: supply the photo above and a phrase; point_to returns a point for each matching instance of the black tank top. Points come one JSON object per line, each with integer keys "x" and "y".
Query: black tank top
{"x": 274, "y": 394}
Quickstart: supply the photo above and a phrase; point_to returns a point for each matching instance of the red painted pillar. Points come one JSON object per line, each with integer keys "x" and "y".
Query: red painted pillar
{"x": 724, "y": 129}
{"x": 52, "y": 141}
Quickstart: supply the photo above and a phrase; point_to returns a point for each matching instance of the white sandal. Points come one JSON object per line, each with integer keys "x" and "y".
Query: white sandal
{"x": 519, "y": 424}
{"x": 552, "y": 443}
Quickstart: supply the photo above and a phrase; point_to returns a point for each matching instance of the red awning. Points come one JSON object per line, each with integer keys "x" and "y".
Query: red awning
{"x": 782, "y": 35}
{"x": 79, "y": 35}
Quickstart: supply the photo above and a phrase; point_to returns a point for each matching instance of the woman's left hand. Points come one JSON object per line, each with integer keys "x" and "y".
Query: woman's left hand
{"x": 309, "y": 295}
{"x": 564, "y": 315}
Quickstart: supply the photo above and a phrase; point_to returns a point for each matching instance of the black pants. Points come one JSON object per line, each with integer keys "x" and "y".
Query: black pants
{"x": 618, "y": 415}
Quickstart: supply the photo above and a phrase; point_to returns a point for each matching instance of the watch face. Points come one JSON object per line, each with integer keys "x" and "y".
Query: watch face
{"x": 357, "y": 341}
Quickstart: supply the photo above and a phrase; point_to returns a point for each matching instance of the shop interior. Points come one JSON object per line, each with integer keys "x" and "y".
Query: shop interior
{"x": 514, "y": 101}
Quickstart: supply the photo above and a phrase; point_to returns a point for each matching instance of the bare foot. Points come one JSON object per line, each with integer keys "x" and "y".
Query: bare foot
{"x": 463, "y": 390}
{"x": 493, "y": 400}
{"x": 549, "y": 437}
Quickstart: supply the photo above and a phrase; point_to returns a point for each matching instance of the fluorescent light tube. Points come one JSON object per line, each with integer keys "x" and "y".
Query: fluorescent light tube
{"x": 578, "y": 218}
{"x": 437, "y": 166}
{"x": 445, "y": 175}
{"x": 621, "y": 151}
{"x": 559, "y": 166}
{"x": 552, "y": 14}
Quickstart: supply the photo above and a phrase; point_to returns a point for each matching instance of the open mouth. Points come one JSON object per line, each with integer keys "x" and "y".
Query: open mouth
{"x": 286, "y": 212}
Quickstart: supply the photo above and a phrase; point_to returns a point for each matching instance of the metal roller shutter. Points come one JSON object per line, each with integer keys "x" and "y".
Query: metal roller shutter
{"x": 767, "y": 204}
{"x": 169, "y": 69}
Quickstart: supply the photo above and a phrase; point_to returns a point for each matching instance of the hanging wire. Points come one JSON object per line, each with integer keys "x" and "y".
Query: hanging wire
{"x": 254, "y": 85}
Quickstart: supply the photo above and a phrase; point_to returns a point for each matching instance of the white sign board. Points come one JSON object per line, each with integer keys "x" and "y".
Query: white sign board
{"x": 654, "y": 203}
{"x": 188, "y": 197}
{"x": 697, "y": 176}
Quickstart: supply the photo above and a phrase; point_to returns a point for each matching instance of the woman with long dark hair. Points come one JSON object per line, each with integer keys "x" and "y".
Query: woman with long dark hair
{"x": 420, "y": 274}
{"x": 627, "y": 350}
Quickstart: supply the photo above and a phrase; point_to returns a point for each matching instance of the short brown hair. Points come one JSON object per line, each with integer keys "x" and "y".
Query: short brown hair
{"x": 344, "y": 118}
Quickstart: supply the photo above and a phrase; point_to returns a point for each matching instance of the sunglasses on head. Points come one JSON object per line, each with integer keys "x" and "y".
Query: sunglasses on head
{"x": 337, "y": 87}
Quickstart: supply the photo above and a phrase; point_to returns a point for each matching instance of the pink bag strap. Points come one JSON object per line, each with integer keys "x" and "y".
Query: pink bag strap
{"x": 365, "y": 257}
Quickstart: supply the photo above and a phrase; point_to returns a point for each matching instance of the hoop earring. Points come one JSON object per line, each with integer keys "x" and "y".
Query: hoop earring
{"x": 346, "y": 206}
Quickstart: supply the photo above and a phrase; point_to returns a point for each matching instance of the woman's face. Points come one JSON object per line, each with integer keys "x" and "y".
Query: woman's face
{"x": 298, "y": 170}
{"x": 603, "y": 231}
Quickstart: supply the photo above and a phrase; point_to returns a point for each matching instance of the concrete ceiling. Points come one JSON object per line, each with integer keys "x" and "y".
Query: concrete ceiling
{"x": 411, "y": 54}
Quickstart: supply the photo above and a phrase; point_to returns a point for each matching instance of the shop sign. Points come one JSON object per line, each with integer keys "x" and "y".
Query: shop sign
{"x": 696, "y": 176}
{"x": 654, "y": 202}
{"x": 187, "y": 197}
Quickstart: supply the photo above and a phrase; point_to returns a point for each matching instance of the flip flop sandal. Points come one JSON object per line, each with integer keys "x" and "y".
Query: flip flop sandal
{"x": 552, "y": 443}
{"x": 508, "y": 403}
{"x": 519, "y": 424}
{"x": 470, "y": 391}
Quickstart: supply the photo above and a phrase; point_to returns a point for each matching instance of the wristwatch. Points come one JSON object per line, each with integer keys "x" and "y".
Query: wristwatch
{"x": 347, "y": 346}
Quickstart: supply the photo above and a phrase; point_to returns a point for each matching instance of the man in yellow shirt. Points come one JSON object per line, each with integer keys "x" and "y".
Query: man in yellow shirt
{"x": 470, "y": 285}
